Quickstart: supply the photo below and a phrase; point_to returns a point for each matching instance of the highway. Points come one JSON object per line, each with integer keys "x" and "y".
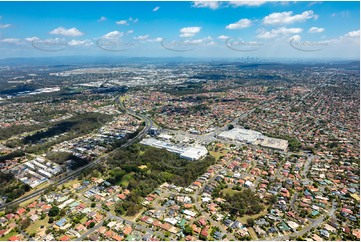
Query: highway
{"x": 73, "y": 174}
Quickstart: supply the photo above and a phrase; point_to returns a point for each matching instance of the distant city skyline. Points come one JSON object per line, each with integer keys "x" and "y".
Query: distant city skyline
{"x": 214, "y": 29}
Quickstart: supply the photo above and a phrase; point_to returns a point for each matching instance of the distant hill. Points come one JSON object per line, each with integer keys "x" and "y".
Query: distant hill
{"x": 65, "y": 61}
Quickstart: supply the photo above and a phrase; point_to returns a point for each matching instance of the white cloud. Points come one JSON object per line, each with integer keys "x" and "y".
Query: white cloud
{"x": 4, "y": 26}
{"x": 283, "y": 31}
{"x": 189, "y": 31}
{"x": 113, "y": 35}
{"x": 287, "y": 18}
{"x": 130, "y": 31}
{"x": 156, "y": 9}
{"x": 141, "y": 37}
{"x": 296, "y": 37}
{"x": 313, "y": 3}
{"x": 102, "y": 19}
{"x": 246, "y": 3}
{"x": 85, "y": 43}
{"x": 134, "y": 20}
{"x": 158, "y": 39}
{"x": 204, "y": 4}
{"x": 122, "y": 22}
{"x": 316, "y": 30}
{"x": 217, "y": 4}
{"x": 10, "y": 41}
{"x": 66, "y": 32}
{"x": 355, "y": 33}
{"x": 198, "y": 41}
{"x": 241, "y": 24}
{"x": 223, "y": 37}
{"x": 31, "y": 39}
{"x": 341, "y": 14}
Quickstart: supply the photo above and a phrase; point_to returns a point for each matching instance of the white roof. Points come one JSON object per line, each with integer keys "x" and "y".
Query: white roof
{"x": 245, "y": 135}
{"x": 194, "y": 153}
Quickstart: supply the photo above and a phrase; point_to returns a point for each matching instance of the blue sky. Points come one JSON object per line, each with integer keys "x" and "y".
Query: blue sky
{"x": 190, "y": 29}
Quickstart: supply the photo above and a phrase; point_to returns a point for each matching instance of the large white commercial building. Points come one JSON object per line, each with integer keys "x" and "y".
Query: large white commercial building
{"x": 242, "y": 135}
{"x": 189, "y": 153}
{"x": 253, "y": 137}
{"x": 194, "y": 153}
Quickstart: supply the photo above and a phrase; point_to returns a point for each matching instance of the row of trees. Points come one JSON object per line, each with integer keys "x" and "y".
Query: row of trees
{"x": 18, "y": 129}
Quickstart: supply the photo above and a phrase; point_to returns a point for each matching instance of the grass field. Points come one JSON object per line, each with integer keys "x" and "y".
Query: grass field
{"x": 219, "y": 153}
{"x": 125, "y": 180}
{"x": 255, "y": 216}
{"x": 71, "y": 183}
{"x": 33, "y": 228}
{"x": 253, "y": 234}
{"x": 83, "y": 220}
{"x": 134, "y": 218}
{"x": 27, "y": 202}
{"x": 6, "y": 237}
{"x": 229, "y": 191}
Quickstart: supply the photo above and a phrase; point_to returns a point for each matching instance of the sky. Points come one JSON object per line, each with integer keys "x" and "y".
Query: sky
{"x": 190, "y": 29}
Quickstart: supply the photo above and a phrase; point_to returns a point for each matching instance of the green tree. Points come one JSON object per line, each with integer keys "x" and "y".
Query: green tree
{"x": 53, "y": 211}
{"x": 250, "y": 222}
{"x": 25, "y": 223}
{"x": 188, "y": 230}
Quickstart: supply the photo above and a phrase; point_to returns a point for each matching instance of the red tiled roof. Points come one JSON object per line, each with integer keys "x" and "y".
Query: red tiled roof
{"x": 65, "y": 238}
{"x": 204, "y": 231}
{"x": 117, "y": 237}
{"x": 21, "y": 211}
{"x": 127, "y": 230}
{"x": 14, "y": 238}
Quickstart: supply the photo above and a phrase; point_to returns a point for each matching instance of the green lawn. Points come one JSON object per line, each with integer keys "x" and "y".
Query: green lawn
{"x": 229, "y": 191}
{"x": 220, "y": 152}
{"x": 83, "y": 220}
{"x": 255, "y": 216}
{"x": 125, "y": 179}
{"x": 252, "y": 233}
{"x": 134, "y": 217}
{"x": 216, "y": 155}
{"x": 33, "y": 228}
{"x": 71, "y": 183}
{"x": 6, "y": 237}
{"x": 27, "y": 202}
